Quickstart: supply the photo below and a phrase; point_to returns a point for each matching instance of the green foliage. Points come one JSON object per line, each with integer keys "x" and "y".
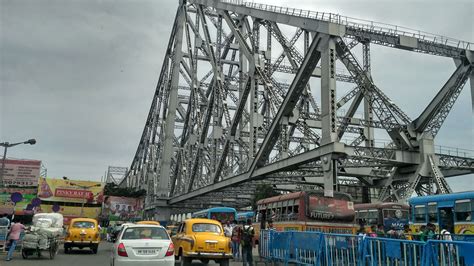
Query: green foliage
{"x": 263, "y": 191}
{"x": 112, "y": 189}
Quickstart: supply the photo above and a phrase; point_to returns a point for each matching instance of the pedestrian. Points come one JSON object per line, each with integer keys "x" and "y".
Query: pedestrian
{"x": 422, "y": 234}
{"x": 392, "y": 233}
{"x": 4, "y": 222}
{"x": 361, "y": 231}
{"x": 227, "y": 229}
{"x": 15, "y": 230}
{"x": 406, "y": 233}
{"x": 270, "y": 225}
{"x": 445, "y": 234}
{"x": 248, "y": 233}
{"x": 373, "y": 231}
{"x": 430, "y": 234}
{"x": 235, "y": 238}
{"x": 380, "y": 231}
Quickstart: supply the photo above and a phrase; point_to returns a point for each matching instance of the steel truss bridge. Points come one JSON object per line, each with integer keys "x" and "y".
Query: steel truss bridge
{"x": 239, "y": 103}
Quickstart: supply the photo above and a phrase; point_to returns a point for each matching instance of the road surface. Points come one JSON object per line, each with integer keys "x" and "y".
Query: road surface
{"x": 79, "y": 258}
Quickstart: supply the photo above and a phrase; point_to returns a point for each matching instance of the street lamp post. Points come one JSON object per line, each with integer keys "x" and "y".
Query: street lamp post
{"x": 9, "y": 145}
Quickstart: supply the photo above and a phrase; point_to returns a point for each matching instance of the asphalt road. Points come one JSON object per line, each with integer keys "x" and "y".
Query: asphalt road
{"x": 77, "y": 258}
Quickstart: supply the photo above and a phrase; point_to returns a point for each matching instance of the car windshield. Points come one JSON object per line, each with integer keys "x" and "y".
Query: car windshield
{"x": 202, "y": 227}
{"x": 83, "y": 225}
{"x": 145, "y": 233}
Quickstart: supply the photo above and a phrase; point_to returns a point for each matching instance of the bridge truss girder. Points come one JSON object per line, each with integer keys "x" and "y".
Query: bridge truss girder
{"x": 223, "y": 121}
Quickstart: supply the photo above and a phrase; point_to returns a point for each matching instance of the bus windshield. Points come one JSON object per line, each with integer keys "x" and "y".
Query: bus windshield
{"x": 398, "y": 214}
{"x": 222, "y": 216}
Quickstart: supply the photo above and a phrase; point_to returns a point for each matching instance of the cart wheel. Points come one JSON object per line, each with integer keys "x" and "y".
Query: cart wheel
{"x": 24, "y": 254}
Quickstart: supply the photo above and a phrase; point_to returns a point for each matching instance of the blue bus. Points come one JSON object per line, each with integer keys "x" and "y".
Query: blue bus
{"x": 221, "y": 214}
{"x": 453, "y": 211}
{"x": 242, "y": 217}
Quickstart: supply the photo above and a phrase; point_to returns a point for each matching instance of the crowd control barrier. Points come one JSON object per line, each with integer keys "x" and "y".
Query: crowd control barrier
{"x": 315, "y": 248}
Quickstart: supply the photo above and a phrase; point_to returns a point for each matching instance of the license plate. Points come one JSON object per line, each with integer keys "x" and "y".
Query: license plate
{"x": 147, "y": 251}
{"x": 211, "y": 245}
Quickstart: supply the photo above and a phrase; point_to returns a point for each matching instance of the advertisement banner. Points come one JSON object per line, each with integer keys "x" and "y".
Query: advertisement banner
{"x": 20, "y": 208}
{"x": 70, "y": 190}
{"x": 122, "y": 208}
{"x": 21, "y": 173}
{"x": 70, "y": 212}
{"x": 330, "y": 209}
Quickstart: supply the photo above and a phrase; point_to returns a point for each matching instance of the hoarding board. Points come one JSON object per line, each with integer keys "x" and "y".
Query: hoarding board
{"x": 7, "y": 206}
{"x": 70, "y": 190}
{"x": 122, "y": 208}
{"x": 70, "y": 212}
{"x": 21, "y": 173}
{"x": 330, "y": 209}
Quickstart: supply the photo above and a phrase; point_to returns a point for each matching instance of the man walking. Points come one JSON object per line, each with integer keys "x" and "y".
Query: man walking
{"x": 247, "y": 243}
{"x": 14, "y": 236}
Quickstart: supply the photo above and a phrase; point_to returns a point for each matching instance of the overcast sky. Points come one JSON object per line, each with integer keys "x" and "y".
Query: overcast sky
{"x": 79, "y": 76}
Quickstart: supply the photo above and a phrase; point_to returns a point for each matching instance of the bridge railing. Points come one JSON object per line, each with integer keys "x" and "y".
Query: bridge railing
{"x": 315, "y": 248}
{"x": 368, "y": 25}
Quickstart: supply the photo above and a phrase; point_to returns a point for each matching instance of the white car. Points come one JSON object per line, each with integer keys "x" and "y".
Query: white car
{"x": 142, "y": 245}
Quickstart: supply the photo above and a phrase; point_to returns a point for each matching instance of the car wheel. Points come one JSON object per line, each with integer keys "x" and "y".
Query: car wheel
{"x": 224, "y": 262}
{"x": 186, "y": 261}
{"x": 94, "y": 248}
{"x": 66, "y": 249}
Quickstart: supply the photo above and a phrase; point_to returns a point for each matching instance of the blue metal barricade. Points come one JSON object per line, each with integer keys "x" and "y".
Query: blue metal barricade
{"x": 464, "y": 237}
{"x": 387, "y": 251}
{"x": 280, "y": 246}
{"x": 307, "y": 247}
{"x": 448, "y": 253}
{"x": 264, "y": 244}
{"x": 342, "y": 249}
{"x": 316, "y": 248}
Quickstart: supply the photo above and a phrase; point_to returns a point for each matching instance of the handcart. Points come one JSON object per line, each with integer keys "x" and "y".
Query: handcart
{"x": 51, "y": 248}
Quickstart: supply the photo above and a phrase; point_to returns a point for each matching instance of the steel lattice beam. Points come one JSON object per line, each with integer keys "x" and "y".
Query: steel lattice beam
{"x": 227, "y": 115}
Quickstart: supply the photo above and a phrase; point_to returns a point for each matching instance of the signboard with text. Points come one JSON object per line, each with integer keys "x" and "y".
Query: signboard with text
{"x": 21, "y": 173}
{"x": 70, "y": 190}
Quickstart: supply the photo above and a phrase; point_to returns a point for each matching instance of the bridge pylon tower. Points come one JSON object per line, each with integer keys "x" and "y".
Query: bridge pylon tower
{"x": 240, "y": 102}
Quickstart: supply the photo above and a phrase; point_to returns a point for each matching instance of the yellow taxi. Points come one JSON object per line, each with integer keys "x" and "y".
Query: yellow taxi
{"x": 149, "y": 222}
{"x": 171, "y": 229}
{"x": 81, "y": 233}
{"x": 202, "y": 239}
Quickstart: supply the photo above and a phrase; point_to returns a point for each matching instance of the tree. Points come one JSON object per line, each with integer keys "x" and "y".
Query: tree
{"x": 111, "y": 189}
{"x": 263, "y": 191}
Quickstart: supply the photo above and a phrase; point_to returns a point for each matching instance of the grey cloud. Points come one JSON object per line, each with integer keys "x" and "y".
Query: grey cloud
{"x": 80, "y": 75}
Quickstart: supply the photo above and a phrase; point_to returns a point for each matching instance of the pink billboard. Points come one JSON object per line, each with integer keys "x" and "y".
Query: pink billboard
{"x": 21, "y": 173}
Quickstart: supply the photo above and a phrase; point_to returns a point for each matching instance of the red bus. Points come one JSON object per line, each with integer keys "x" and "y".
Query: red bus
{"x": 307, "y": 211}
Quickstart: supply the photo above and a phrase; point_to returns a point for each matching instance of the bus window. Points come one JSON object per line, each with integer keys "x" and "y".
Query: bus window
{"x": 398, "y": 214}
{"x": 463, "y": 211}
{"x": 432, "y": 213}
{"x": 420, "y": 215}
{"x": 372, "y": 217}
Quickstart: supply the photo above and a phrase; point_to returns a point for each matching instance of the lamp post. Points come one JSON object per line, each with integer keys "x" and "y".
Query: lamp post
{"x": 8, "y": 145}
{"x": 84, "y": 188}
